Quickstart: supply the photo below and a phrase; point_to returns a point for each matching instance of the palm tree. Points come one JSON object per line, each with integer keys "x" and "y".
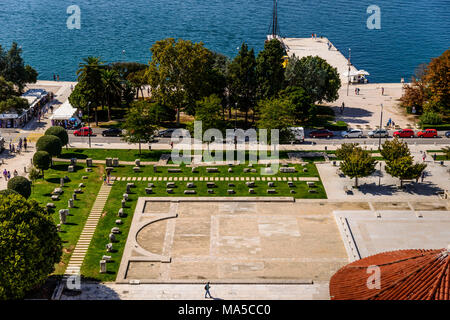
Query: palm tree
{"x": 90, "y": 78}
{"x": 112, "y": 88}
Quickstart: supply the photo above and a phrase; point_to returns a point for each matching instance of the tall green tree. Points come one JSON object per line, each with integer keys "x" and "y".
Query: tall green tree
{"x": 346, "y": 149}
{"x": 139, "y": 124}
{"x": 10, "y": 100}
{"x": 242, "y": 80}
{"x": 269, "y": 70}
{"x": 209, "y": 112}
{"x": 318, "y": 78}
{"x": 276, "y": 114}
{"x": 404, "y": 169}
{"x": 42, "y": 161}
{"x": 13, "y": 68}
{"x": 304, "y": 108}
{"x": 90, "y": 84}
{"x": 358, "y": 164}
{"x": 112, "y": 89}
{"x": 181, "y": 73}
{"x": 29, "y": 246}
{"x": 394, "y": 149}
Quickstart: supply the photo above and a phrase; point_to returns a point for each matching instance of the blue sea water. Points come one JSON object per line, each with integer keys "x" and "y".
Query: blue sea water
{"x": 412, "y": 31}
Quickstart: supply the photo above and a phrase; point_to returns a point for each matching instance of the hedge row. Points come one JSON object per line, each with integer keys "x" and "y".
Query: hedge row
{"x": 439, "y": 127}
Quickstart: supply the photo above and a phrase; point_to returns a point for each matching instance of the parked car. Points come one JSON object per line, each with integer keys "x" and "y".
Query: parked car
{"x": 112, "y": 132}
{"x": 447, "y": 134}
{"x": 352, "y": 133}
{"x": 378, "y": 133}
{"x": 323, "y": 133}
{"x": 404, "y": 133}
{"x": 85, "y": 131}
{"x": 427, "y": 133}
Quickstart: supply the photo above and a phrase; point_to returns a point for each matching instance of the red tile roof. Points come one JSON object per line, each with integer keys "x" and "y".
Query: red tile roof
{"x": 404, "y": 275}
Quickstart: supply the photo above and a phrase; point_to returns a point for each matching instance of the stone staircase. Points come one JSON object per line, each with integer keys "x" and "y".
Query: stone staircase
{"x": 76, "y": 260}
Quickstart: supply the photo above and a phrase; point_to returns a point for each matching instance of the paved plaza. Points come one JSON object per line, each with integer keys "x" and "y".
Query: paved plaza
{"x": 232, "y": 240}
{"x": 395, "y": 226}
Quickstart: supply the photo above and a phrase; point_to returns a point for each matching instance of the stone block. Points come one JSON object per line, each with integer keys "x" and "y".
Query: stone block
{"x": 170, "y": 185}
{"x": 120, "y": 213}
{"x": 137, "y": 162}
{"x": 271, "y": 191}
{"x": 190, "y": 192}
{"x": 148, "y": 190}
{"x": 250, "y": 184}
{"x": 271, "y": 184}
{"x": 136, "y": 169}
{"x": 89, "y": 162}
{"x": 118, "y": 221}
{"x": 211, "y": 185}
{"x": 115, "y": 162}
{"x": 190, "y": 185}
{"x": 288, "y": 170}
{"x": 108, "y": 162}
{"x": 231, "y": 191}
{"x": 115, "y": 230}
{"x": 50, "y": 205}
{"x": 230, "y": 170}
{"x": 109, "y": 247}
{"x": 210, "y": 191}
{"x": 251, "y": 191}
{"x": 169, "y": 190}
{"x": 174, "y": 170}
{"x": 210, "y": 170}
{"x": 103, "y": 266}
{"x": 55, "y": 197}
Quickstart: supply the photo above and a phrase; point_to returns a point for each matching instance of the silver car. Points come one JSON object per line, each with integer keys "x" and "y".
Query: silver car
{"x": 352, "y": 133}
{"x": 378, "y": 133}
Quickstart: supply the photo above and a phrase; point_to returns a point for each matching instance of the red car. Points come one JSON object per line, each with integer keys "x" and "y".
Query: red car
{"x": 404, "y": 133}
{"x": 324, "y": 133}
{"x": 427, "y": 133}
{"x": 85, "y": 131}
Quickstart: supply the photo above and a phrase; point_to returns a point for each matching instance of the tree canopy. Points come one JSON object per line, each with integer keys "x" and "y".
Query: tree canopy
{"x": 10, "y": 100}
{"x": 395, "y": 148}
{"x": 269, "y": 70}
{"x": 51, "y": 144}
{"x": 21, "y": 185}
{"x": 276, "y": 114}
{"x": 42, "y": 160}
{"x": 242, "y": 80}
{"x": 139, "y": 124}
{"x": 182, "y": 72}
{"x": 59, "y": 132}
{"x": 209, "y": 112}
{"x": 358, "y": 163}
{"x": 13, "y": 68}
{"x": 29, "y": 246}
{"x": 318, "y": 78}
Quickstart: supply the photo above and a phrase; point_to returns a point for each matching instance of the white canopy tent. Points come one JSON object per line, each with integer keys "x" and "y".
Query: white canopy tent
{"x": 65, "y": 112}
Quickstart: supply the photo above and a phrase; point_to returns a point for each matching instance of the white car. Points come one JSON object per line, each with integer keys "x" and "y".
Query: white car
{"x": 352, "y": 133}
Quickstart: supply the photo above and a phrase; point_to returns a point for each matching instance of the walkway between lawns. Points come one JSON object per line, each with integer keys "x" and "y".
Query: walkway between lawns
{"x": 76, "y": 260}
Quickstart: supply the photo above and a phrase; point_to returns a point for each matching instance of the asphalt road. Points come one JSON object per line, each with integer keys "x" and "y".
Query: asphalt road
{"x": 308, "y": 141}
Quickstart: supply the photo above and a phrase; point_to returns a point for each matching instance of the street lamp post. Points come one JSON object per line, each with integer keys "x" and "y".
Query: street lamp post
{"x": 349, "y": 64}
{"x": 381, "y": 123}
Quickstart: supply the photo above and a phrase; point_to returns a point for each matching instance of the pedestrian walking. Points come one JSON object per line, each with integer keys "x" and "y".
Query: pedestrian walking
{"x": 108, "y": 176}
{"x": 25, "y": 145}
{"x": 382, "y": 91}
{"x": 5, "y": 174}
{"x": 57, "y": 77}
{"x": 104, "y": 178}
{"x": 9, "y": 175}
{"x": 207, "y": 287}
{"x": 51, "y": 108}
{"x": 422, "y": 176}
{"x": 424, "y": 157}
{"x": 15, "y": 173}
{"x": 54, "y": 77}
{"x": 10, "y": 147}
{"x": 13, "y": 149}
{"x": 434, "y": 157}
{"x": 171, "y": 144}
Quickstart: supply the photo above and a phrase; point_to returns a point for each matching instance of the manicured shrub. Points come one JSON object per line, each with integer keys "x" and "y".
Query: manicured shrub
{"x": 51, "y": 144}
{"x": 59, "y": 132}
{"x": 42, "y": 160}
{"x": 21, "y": 185}
{"x": 7, "y": 192}
{"x": 430, "y": 118}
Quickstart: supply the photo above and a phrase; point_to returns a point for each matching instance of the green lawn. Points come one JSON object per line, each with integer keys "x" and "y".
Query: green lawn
{"x": 122, "y": 154}
{"x": 71, "y": 231}
{"x": 238, "y": 171}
